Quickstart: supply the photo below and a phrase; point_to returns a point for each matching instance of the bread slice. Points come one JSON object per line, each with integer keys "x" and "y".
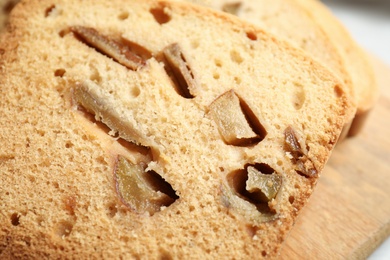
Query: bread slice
{"x": 309, "y": 25}
{"x": 289, "y": 20}
{"x": 355, "y": 58}
{"x": 155, "y": 129}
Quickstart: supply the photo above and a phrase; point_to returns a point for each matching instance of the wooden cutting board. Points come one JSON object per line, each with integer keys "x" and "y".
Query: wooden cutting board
{"x": 348, "y": 215}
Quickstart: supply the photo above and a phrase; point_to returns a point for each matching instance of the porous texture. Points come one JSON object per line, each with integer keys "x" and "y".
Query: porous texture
{"x": 59, "y": 191}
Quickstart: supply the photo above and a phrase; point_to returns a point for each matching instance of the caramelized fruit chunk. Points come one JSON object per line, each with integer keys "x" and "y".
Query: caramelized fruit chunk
{"x": 142, "y": 191}
{"x": 304, "y": 166}
{"x": 250, "y": 193}
{"x": 236, "y": 122}
{"x": 179, "y": 70}
{"x": 109, "y": 47}
{"x": 85, "y": 95}
{"x": 232, "y": 8}
{"x": 262, "y": 187}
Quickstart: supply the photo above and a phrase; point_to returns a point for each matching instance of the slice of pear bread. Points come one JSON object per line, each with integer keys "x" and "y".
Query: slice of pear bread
{"x": 289, "y": 20}
{"x": 310, "y": 25}
{"x": 155, "y": 129}
{"x": 356, "y": 59}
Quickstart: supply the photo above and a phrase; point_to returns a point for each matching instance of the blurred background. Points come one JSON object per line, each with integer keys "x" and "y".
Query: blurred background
{"x": 368, "y": 21}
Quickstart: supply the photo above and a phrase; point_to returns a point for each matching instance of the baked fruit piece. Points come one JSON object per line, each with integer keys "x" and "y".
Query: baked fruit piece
{"x": 155, "y": 129}
{"x": 309, "y": 25}
{"x": 289, "y": 20}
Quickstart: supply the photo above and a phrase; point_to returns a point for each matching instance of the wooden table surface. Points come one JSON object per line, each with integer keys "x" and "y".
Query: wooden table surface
{"x": 348, "y": 215}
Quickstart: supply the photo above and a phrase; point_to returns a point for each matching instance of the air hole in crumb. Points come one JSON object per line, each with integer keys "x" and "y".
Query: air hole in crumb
{"x": 101, "y": 160}
{"x": 112, "y": 210}
{"x": 251, "y": 35}
{"x": 40, "y": 221}
{"x": 264, "y": 253}
{"x": 164, "y": 255}
{"x": 56, "y": 185}
{"x": 236, "y": 57}
{"x": 70, "y": 204}
{"x": 338, "y": 91}
{"x": 63, "y": 32}
{"x": 218, "y": 63}
{"x": 263, "y": 168}
{"x": 31, "y": 178}
{"x": 15, "y": 219}
{"x": 160, "y": 15}
{"x": 95, "y": 76}
{"x": 237, "y": 80}
{"x": 195, "y": 43}
{"x": 123, "y": 16}
{"x": 59, "y": 72}
{"x": 291, "y": 199}
{"x": 135, "y": 92}
{"x": 68, "y": 145}
{"x": 296, "y": 186}
{"x": 251, "y": 230}
{"x": 280, "y": 163}
{"x": 49, "y": 9}
{"x": 216, "y": 75}
{"x": 191, "y": 208}
{"x": 299, "y": 96}
{"x": 124, "y": 239}
{"x": 27, "y": 241}
{"x": 41, "y": 132}
{"x": 63, "y": 228}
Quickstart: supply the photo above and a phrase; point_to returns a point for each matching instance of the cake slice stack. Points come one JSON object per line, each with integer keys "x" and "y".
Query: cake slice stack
{"x": 156, "y": 129}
